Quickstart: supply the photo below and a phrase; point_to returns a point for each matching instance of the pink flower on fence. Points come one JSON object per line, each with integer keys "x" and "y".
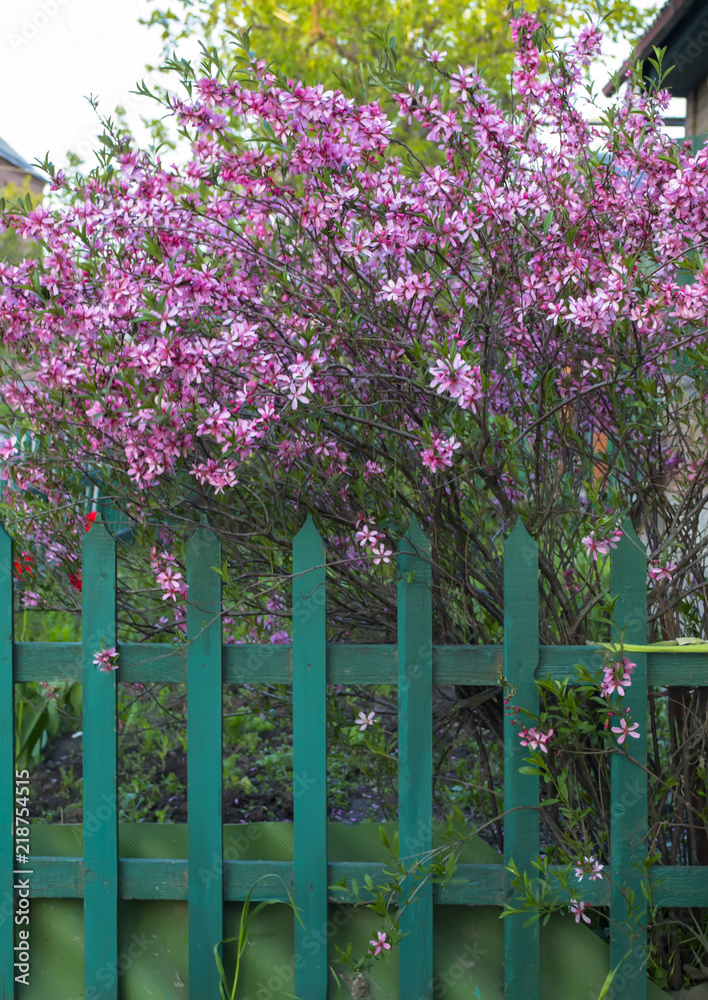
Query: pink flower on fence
{"x": 601, "y": 546}
{"x": 624, "y": 730}
{"x": 589, "y": 867}
{"x": 368, "y": 535}
{"x": 105, "y": 659}
{"x": 617, "y": 677}
{"x": 172, "y": 583}
{"x": 363, "y": 720}
{"x": 577, "y": 908}
{"x": 381, "y": 554}
{"x": 535, "y": 739}
{"x": 381, "y": 944}
{"x": 658, "y": 573}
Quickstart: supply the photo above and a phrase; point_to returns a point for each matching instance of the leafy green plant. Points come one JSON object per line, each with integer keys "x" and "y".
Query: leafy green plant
{"x": 226, "y": 993}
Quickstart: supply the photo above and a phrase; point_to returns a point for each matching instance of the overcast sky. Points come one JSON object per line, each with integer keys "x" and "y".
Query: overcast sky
{"x": 54, "y": 52}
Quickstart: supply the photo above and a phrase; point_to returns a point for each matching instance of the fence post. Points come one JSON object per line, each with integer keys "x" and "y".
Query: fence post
{"x": 204, "y": 761}
{"x": 100, "y": 805}
{"x": 521, "y": 791}
{"x": 7, "y": 770}
{"x": 415, "y": 759}
{"x": 309, "y": 652}
{"x": 628, "y": 781}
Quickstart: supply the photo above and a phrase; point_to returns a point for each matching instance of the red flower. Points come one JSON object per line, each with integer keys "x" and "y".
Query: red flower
{"x": 24, "y": 568}
{"x": 75, "y": 580}
{"x": 89, "y": 519}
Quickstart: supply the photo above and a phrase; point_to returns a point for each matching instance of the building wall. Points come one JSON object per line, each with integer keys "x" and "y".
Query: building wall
{"x": 10, "y": 174}
{"x": 697, "y": 110}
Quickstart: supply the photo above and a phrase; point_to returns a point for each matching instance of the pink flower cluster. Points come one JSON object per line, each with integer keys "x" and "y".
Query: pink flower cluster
{"x": 367, "y": 535}
{"x": 438, "y": 456}
{"x": 459, "y": 379}
{"x": 106, "y": 659}
{"x": 601, "y": 546}
{"x": 617, "y": 677}
{"x": 170, "y": 580}
{"x": 659, "y": 573}
{"x": 589, "y": 867}
{"x": 535, "y": 739}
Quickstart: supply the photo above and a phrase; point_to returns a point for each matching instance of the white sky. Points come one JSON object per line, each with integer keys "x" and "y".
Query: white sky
{"x": 54, "y": 52}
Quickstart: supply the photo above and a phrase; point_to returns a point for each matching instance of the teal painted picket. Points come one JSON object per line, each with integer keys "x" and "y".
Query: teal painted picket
{"x": 521, "y": 822}
{"x": 309, "y": 665}
{"x": 98, "y": 631}
{"x": 204, "y": 762}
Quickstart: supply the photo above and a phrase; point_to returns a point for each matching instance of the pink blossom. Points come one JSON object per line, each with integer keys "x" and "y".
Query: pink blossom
{"x": 624, "y": 730}
{"x": 535, "y": 739}
{"x": 578, "y": 908}
{"x": 659, "y": 573}
{"x": 601, "y": 546}
{"x": 380, "y": 944}
{"x": 368, "y": 535}
{"x": 363, "y": 720}
{"x": 381, "y": 554}
{"x": 105, "y": 659}
{"x": 459, "y": 379}
{"x": 8, "y": 448}
{"x": 172, "y": 583}
{"x": 617, "y": 677}
{"x": 589, "y": 867}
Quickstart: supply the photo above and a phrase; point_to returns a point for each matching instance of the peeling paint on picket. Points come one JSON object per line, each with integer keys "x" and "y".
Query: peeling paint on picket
{"x": 205, "y": 880}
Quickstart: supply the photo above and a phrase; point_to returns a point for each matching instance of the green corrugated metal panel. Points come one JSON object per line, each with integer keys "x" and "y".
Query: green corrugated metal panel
{"x": 468, "y": 950}
{"x": 152, "y": 941}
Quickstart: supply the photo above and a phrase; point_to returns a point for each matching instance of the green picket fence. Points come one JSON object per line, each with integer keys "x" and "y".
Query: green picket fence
{"x": 309, "y": 665}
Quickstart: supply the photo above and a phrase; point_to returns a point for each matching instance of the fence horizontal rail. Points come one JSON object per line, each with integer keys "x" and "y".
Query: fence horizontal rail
{"x": 374, "y": 663}
{"x": 478, "y": 885}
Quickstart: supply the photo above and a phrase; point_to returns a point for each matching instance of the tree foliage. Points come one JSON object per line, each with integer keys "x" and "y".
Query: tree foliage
{"x": 322, "y": 42}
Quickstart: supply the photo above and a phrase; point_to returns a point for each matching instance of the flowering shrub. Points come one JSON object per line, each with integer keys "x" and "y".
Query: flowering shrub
{"x": 296, "y": 314}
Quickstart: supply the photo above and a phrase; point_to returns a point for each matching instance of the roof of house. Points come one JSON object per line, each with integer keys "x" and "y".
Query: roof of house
{"x": 8, "y": 154}
{"x": 681, "y": 27}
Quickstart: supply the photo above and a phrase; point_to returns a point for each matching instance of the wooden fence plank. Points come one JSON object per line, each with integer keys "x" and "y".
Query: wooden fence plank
{"x": 415, "y": 758}
{"x": 7, "y": 770}
{"x": 521, "y": 826}
{"x": 629, "y": 824}
{"x": 204, "y": 759}
{"x": 100, "y": 806}
{"x": 309, "y": 652}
